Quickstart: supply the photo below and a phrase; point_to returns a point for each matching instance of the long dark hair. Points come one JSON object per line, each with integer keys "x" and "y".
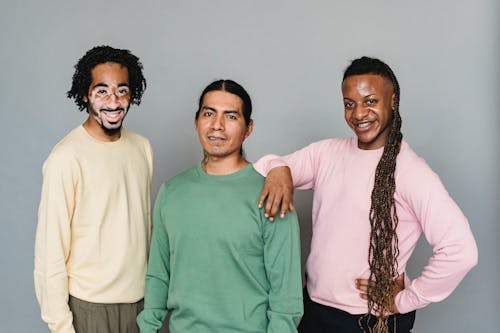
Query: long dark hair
{"x": 383, "y": 250}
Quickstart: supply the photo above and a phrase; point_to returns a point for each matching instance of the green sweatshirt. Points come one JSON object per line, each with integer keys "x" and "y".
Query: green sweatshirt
{"x": 216, "y": 263}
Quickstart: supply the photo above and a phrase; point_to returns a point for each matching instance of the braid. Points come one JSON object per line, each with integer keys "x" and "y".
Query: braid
{"x": 383, "y": 248}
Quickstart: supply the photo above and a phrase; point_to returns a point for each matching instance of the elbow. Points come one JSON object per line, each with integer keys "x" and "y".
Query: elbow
{"x": 468, "y": 255}
{"x": 472, "y": 255}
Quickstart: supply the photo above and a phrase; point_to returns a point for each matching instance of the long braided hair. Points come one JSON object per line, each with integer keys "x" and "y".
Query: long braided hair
{"x": 383, "y": 250}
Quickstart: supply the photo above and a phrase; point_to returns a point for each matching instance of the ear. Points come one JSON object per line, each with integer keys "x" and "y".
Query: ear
{"x": 196, "y": 124}
{"x": 249, "y": 129}
{"x": 85, "y": 99}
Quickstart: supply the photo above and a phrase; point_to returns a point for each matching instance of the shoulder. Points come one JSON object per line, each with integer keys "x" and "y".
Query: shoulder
{"x": 409, "y": 162}
{"x": 180, "y": 179}
{"x": 413, "y": 172}
{"x": 66, "y": 150}
{"x": 136, "y": 138}
{"x": 331, "y": 144}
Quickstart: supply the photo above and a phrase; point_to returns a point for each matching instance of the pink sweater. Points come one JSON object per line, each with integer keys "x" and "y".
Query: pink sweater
{"x": 342, "y": 177}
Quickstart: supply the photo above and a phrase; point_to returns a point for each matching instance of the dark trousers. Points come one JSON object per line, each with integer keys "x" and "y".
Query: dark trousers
{"x": 104, "y": 318}
{"x": 320, "y": 318}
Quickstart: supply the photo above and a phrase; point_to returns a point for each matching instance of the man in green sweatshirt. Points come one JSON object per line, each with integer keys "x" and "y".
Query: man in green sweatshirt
{"x": 215, "y": 263}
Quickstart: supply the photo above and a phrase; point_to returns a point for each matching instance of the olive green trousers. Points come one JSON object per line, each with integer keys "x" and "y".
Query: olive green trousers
{"x": 104, "y": 318}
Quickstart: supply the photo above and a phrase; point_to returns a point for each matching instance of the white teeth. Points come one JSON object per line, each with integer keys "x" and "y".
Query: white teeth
{"x": 362, "y": 125}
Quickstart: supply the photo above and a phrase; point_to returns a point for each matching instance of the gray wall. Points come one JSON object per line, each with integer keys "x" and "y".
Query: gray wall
{"x": 290, "y": 56}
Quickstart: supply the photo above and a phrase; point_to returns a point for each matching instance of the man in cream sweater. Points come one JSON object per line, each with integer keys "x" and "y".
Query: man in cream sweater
{"x": 94, "y": 216}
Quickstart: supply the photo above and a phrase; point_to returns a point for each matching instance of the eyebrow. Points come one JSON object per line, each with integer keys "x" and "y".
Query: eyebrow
{"x": 367, "y": 96}
{"x": 102, "y": 84}
{"x": 225, "y": 111}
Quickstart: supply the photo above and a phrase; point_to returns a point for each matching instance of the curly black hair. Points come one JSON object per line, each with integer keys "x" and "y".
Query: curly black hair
{"x": 100, "y": 55}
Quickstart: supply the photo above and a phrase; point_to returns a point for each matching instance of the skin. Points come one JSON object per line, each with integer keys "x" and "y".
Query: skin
{"x": 108, "y": 101}
{"x": 369, "y": 101}
{"x": 368, "y": 108}
{"x": 221, "y": 130}
{"x": 363, "y": 285}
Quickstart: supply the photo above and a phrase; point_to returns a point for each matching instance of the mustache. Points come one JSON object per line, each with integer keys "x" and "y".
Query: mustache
{"x": 112, "y": 110}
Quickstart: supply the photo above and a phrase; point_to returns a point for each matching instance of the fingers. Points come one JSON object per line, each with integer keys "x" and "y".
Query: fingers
{"x": 400, "y": 280}
{"x": 270, "y": 210}
{"x": 277, "y": 193}
{"x": 364, "y": 284}
{"x": 286, "y": 204}
{"x": 263, "y": 196}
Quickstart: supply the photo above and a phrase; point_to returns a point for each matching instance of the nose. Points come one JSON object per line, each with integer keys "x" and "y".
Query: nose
{"x": 218, "y": 122}
{"x": 360, "y": 112}
{"x": 112, "y": 101}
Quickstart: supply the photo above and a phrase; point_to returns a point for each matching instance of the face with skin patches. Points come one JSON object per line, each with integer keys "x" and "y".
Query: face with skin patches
{"x": 108, "y": 97}
{"x": 368, "y": 108}
{"x": 221, "y": 126}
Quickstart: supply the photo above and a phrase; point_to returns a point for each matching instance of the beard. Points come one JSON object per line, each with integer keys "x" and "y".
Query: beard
{"x": 111, "y": 131}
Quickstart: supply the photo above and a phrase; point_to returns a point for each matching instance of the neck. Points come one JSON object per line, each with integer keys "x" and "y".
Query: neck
{"x": 223, "y": 165}
{"x": 96, "y": 131}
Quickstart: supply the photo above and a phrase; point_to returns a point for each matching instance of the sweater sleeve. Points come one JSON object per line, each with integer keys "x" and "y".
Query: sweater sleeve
{"x": 282, "y": 264}
{"x": 302, "y": 163}
{"x": 53, "y": 242}
{"x": 447, "y": 231}
{"x": 150, "y": 320}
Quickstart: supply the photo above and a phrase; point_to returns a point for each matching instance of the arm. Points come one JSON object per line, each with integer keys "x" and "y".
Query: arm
{"x": 157, "y": 276}
{"x": 282, "y": 175}
{"x": 53, "y": 242}
{"x": 282, "y": 264}
{"x": 447, "y": 231}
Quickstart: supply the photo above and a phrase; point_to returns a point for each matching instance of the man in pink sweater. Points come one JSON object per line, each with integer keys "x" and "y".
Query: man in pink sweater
{"x": 373, "y": 197}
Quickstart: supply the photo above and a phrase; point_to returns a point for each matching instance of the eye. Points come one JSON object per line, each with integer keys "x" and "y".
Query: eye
{"x": 122, "y": 91}
{"x": 101, "y": 92}
{"x": 371, "y": 101}
{"x": 232, "y": 117}
{"x": 208, "y": 114}
{"x": 348, "y": 105}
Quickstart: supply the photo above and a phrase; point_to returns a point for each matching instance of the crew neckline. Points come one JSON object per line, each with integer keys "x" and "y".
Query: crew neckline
{"x": 243, "y": 172}
{"x": 95, "y": 140}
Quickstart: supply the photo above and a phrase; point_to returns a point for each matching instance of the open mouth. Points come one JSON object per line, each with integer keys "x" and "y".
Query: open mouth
{"x": 215, "y": 138}
{"x": 113, "y": 116}
{"x": 363, "y": 125}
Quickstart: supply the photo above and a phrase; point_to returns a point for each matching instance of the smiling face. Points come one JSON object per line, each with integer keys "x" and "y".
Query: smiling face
{"x": 368, "y": 107}
{"x": 221, "y": 125}
{"x": 108, "y": 98}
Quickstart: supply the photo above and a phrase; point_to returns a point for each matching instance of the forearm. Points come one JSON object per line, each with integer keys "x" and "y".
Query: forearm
{"x": 53, "y": 299}
{"x": 445, "y": 228}
{"x": 157, "y": 276}
{"x": 268, "y": 162}
{"x": 155, "y": 305}
{"x": 52, "y": 248}
{"x": 301, "y": 163}
{"x": 51, "y": 286}
{"x": 282, "y": 260}
{"x": 446, "y": 269}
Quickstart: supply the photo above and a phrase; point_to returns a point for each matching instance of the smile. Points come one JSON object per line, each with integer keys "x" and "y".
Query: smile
{"x": 113, "y": 116}
{"x": 216, "y": 138}
{"x": 363, "y": 125}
